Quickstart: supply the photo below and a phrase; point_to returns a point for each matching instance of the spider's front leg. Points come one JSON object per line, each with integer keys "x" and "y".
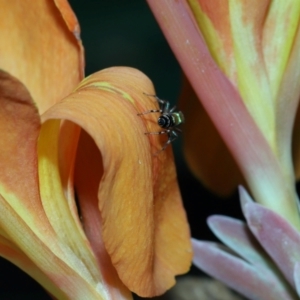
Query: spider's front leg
{"x": 164, "y": 105}
{"x": 150, "y": 111}
{"x": 167, "y": 131}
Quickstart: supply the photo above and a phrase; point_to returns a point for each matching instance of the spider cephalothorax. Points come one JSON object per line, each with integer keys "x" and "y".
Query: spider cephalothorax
{"x": 168, "y": 120}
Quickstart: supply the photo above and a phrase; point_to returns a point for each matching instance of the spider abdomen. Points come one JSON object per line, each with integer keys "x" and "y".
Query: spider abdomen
{"x": 166, "y": 121}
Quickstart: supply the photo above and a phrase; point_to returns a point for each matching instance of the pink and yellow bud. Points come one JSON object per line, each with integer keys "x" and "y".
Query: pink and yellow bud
{"x": 242, "y": 60}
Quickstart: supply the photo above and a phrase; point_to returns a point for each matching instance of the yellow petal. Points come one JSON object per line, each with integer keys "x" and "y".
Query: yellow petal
{"x": 145, "y": 230}
{"x": 40, "y": 45}
{"x": 279, "y": 31}
{"x": 65, "y": 224}
{"x": 232, "y": 30}
{"x": 251, "y": 41}
{"x": 213, "y": 19}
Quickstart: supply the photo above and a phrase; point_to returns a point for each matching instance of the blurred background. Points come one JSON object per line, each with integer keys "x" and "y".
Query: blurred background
{"x": 125, "y": 33}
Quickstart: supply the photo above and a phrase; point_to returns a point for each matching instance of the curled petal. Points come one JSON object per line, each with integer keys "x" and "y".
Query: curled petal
{"x": 144, "y": 229}
{"x": 88, "y": 172}
{"x": 40, "y": 45}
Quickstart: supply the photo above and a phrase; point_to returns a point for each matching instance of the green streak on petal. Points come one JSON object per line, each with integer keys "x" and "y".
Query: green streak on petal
{"x": 106, "y": 87}
{"x": 278, "y": 38}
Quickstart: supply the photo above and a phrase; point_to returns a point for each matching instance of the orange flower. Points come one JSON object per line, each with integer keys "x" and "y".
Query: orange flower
{"x": 129, "y": 229}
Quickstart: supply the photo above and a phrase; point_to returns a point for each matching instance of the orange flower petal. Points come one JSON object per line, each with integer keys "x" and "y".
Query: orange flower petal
{"x": 145, "y": 230}
{"x": 66, "y": 224}
{"x": 23, "y": 219}
{"x": 57, "y": 265}
{"x": 40, "y": 45}
{"x": 206, "y": 153}
{"x": 89, "y": 170}
{"x": 20, "y": 124}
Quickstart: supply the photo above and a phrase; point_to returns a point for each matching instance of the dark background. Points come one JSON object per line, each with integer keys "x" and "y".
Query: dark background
{"x": 125, "y": 33}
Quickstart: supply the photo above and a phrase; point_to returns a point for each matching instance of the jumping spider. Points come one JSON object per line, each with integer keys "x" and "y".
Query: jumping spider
{"x": 169, "y": 120}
